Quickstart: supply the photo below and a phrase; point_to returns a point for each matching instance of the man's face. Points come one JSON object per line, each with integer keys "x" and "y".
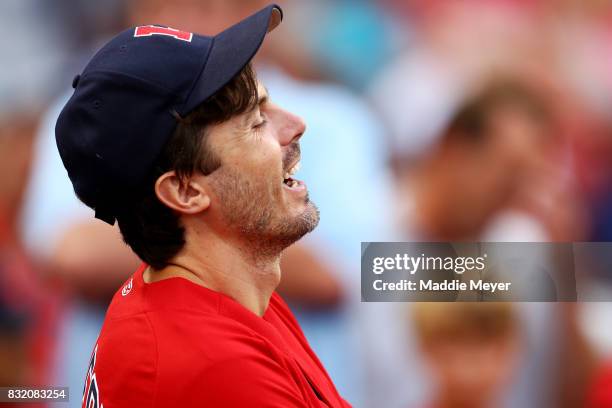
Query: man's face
{"x": 253, "y": 193}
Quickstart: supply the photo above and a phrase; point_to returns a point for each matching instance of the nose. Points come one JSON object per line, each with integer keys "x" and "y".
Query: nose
{"x": 292, "y": 129}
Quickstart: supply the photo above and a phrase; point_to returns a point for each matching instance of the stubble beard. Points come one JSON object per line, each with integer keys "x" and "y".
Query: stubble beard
{"x": 250, "y": 209}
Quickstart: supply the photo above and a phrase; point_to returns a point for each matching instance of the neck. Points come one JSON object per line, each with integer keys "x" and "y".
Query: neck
{"x": 227, "y": 268}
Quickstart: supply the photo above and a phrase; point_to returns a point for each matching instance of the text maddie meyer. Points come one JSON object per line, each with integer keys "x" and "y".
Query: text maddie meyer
{"x": 431, "y": 286}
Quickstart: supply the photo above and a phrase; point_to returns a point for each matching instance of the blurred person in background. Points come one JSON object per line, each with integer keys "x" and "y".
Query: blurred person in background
{"x": 453, "y": 49}
{"x": 583, "y": 31}
{"x": 19, "y": 287}
{"x": 496, "y": 173}
{"x": 471, "y": 349}
{"x": 493, "y": 172}
{"x": 27, "y": 309}
{"x": 84, "y": 262}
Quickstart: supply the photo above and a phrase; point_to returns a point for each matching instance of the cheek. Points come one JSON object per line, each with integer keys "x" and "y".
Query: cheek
{"x": 259, "y": 155}
{"x": 265, "y": 158}
{"x": 260, "y": 163}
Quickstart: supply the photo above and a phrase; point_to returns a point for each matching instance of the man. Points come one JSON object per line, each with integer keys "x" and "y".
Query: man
{"x": 170, "y": 134}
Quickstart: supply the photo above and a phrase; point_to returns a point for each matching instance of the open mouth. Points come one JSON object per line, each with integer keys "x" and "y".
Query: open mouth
{"x": 288, "y": 179}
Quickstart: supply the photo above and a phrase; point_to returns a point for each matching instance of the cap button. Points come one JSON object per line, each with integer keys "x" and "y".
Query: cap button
{"x": 75, "y": 81}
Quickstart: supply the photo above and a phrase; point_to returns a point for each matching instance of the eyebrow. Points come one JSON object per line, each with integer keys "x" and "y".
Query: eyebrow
{"x": 265, "y": 98}
{"x": 261, "y": 99}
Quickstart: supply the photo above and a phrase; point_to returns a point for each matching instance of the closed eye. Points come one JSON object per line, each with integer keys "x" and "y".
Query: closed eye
{"x": 261, "y": 122}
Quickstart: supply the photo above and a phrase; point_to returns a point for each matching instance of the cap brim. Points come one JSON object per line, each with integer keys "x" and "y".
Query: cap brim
{"x": 231, "y": 51}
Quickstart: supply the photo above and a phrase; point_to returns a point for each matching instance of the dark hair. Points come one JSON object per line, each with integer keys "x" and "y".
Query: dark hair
{"x": 470, "y": 123}
{"x": 150, "y": 228}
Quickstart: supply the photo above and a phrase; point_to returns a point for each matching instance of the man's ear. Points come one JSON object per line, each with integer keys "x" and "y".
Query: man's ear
{"x": 187, "y": 196}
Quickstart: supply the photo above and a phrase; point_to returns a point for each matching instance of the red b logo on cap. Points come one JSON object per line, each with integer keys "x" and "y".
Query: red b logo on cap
{"x": 147, "y": 31}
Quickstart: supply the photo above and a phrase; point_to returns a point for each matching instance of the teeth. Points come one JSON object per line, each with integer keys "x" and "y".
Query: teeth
{"x": 294, "y": 169}
{"x": 289, "y": 173}
{"x": 292, "y": 183}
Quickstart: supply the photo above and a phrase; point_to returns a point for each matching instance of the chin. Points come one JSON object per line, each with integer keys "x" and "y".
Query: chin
{"x": 311, "y": 215}
{"x": 307, "y": 219}
{"x": 292, "y": 228}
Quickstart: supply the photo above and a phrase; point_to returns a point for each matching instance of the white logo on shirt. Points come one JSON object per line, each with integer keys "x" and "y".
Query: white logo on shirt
{"x": 127, "y": 288}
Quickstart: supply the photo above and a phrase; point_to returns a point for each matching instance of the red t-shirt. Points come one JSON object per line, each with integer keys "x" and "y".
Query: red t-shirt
{"x": 174, "y": 343}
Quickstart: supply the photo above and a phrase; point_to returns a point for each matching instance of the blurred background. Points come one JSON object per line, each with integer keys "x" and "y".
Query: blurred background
{"x": 428, "y": 120}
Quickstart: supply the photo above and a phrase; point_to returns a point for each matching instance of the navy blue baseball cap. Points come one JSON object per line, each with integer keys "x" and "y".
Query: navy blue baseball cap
{"x": 123, "y": 108}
